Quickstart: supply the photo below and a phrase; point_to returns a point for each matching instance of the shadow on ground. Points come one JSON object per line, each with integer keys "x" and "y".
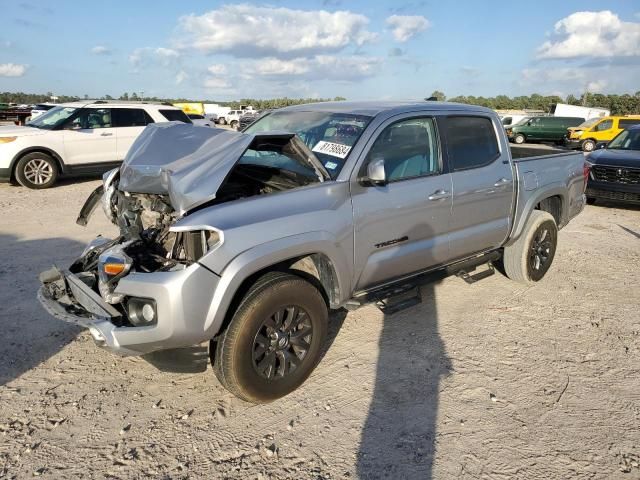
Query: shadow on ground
{"x": 399, "y": 436}
{"x": 29, "y": 335}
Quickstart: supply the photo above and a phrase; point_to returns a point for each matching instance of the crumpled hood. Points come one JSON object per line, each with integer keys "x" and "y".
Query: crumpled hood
{"x": 187, "y": 162}
{"x": 18, "y": 131}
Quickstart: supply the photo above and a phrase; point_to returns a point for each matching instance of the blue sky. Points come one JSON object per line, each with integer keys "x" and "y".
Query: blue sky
{"x": 357, "y": 49}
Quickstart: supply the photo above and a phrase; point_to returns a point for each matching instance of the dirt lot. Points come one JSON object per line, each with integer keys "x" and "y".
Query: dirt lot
{"x": 495, "y": 380}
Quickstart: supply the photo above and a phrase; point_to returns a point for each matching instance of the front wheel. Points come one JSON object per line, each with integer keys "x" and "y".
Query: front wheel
{"x": 234, "y": 124}
{"x": 519, "y": 139}
{"x": 528, "y": 259}
{"x": 274, "y": 340}
{"x": 36, "y": 171}
{"x": 588, "y": 146}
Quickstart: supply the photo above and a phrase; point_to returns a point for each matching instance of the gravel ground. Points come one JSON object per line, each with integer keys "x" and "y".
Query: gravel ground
{"x": 495, "y": 380}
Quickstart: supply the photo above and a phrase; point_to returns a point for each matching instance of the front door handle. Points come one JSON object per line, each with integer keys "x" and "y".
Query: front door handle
{"x": 105, "y": 134}
{"x": 502, "y": 182}
{"x": 438, "y": 195}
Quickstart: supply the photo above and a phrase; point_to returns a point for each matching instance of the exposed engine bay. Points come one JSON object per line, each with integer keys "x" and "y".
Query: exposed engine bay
{"x": 148, "y": 241}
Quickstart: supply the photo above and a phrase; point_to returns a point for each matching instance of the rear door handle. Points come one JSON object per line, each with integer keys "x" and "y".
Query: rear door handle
{"x": 105, "y": 134}
{"x": 438, "y": 195}
{"x": 502, "y": 182}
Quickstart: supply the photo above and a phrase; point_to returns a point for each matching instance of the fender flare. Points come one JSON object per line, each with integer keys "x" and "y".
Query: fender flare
{"x": 552, "y": 190}
{"x": 271, "y": 253}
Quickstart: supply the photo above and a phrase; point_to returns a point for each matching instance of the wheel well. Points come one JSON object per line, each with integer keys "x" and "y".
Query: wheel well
{"x": 48, "y": 152}
{"x": 316, "y": 268}
{"x": 552, "y": 205}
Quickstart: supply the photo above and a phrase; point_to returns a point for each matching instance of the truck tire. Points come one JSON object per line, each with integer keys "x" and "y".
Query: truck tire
{"x": 36, "y": 171}
{"x": 234, "y": 124}
{"x": 588, "y": 145}
{"x": 274, "y": 340}
{"x": 222, "y": 121}
{"x": 528, "y": 259}
{"x": 519, "y": 139}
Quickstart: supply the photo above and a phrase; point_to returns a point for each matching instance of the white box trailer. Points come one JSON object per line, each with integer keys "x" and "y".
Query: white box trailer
{"x": 565, "y": 110}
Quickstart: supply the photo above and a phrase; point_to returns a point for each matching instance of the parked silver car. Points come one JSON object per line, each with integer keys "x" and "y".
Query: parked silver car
{"x": 247, "y": 240}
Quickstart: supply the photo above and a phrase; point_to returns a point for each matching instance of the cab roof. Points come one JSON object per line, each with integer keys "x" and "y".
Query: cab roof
{"x": 374, "y": 108}
{"x": 115, "y": 103}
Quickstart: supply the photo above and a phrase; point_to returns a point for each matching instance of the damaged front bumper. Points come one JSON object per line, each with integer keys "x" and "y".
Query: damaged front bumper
{"x": 182, "y": 300}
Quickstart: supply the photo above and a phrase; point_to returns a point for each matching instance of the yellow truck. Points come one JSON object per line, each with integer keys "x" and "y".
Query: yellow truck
{"x": 598, "y": 130}
{"x": 193, "y": 107}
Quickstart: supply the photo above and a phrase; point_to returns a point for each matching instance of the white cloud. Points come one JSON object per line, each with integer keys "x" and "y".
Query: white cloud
{"x": 596, "y": 86}
{"x": 181, "y": 77}
{"x": 249, "y": 31}
{"x": 320, "y": 67}
{"x": 217, "y": 83}
{"x": 101, "y": 50}
{"x": 275, "y": 66}
{"x": 166, "y": 55}
{"x": 12, "y": 70}
{"x": 533, "y": 76}
{"x": 406, "y": 26}
{"x": 147, "y": 55}
{"x": 217, "y": 69}
{"x": 593, "y": 34}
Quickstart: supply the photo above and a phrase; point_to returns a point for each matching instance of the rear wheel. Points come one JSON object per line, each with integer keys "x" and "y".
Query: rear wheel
{"x": 234, "y": 124}
{"x": 36, "y": 170}
{"x": 519, "y": 139}
{"x": 222, "y": 121}
{"x": 529, "y": 258}
{"x": 588, "y": 145}
{"x": 274, "y": 340}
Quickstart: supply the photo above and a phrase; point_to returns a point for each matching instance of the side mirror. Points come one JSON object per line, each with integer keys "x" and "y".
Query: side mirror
{"x": 375, "y": 172}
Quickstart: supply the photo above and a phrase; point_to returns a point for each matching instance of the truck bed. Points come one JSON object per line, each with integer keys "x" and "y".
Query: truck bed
{"x": 555, "y": 174}
{"x": 519, "y": 152}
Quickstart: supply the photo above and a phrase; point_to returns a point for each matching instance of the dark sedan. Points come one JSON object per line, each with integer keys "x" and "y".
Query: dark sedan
{"x": 615, "y": 169}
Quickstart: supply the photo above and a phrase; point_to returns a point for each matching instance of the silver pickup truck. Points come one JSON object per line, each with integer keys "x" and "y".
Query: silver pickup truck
{"x": 241, "y": 243}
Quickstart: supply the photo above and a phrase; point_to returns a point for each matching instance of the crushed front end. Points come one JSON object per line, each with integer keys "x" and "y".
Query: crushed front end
{"x": 136, "y": 293}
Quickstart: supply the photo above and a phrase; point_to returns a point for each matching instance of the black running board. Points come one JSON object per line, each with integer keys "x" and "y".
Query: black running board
{"x": 405, "y": 292}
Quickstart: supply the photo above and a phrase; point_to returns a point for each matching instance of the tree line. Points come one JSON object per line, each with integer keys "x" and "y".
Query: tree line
{"x": 624, "y": 104}
{"x": 261, "y": 104}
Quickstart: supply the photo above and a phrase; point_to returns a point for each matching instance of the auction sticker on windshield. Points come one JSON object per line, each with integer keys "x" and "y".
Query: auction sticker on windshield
{"x": 333, "y": 149}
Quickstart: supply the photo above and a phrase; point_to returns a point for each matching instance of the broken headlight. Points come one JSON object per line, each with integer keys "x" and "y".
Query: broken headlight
{"x": 113, "y": 264}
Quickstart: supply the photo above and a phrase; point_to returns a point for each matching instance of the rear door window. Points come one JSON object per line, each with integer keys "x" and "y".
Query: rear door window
{"x": 627, "y": 122}
{"x": 471, "y": 142}
{"x": 130, "y": 117}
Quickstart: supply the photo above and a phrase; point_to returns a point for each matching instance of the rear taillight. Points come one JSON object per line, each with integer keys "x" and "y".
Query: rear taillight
{"x": 585, "y": 172}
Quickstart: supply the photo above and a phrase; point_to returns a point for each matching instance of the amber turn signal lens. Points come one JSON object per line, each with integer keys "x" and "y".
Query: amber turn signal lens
{"x": 7, "y": 139}
{"x": 114, "y": 268}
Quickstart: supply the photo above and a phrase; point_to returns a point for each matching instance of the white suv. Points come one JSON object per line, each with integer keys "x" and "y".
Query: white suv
{"x": 76, "y": 138}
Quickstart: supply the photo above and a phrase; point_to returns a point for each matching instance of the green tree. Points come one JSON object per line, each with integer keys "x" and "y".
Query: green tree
{"x": 438, "y": 95}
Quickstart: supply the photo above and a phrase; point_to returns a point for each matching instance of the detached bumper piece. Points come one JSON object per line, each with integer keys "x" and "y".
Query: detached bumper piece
{"x": 67, "y": 297}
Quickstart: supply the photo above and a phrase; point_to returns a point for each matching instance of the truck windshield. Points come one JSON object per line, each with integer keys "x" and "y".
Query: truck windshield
{"x": 589, "y": 123}
{"x": 53, "y": 118}
{"x": 626, "y": 140}
{"x": 329, "y": 135}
